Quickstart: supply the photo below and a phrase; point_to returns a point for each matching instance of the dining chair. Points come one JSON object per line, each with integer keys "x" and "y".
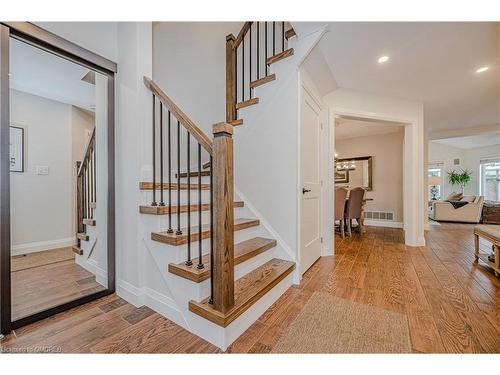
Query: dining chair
{"x": 354, "y": 208}
{"x": 340, "y": 203}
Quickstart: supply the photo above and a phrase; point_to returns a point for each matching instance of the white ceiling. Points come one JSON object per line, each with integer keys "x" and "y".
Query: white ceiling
{"x": 430, "y": 62}
{"x": 473, "y": 141}
{"x": 40, "y": 73}
{"x": 353, "y": 128}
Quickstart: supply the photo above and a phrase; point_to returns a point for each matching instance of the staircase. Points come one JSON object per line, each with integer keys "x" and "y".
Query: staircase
{"x": 86, "y": 235}
{"x": 192, "y": 193}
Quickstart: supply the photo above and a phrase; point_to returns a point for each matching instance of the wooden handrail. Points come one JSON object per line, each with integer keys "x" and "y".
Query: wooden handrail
{"x": 242, "y": 33}
{"x": 86, "y": 155}
{"x": 185, "y": 121}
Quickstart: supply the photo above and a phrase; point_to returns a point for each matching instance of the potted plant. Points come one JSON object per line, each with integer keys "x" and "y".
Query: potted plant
{"x": 461, "y": 178}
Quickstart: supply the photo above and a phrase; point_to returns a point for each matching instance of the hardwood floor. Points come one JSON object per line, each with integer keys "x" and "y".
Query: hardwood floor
{"x": 43, "y": 286}
{"x": 452, "y": 303}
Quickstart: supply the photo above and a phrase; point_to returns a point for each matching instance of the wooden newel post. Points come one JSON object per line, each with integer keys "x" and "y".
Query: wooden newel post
{"x": 230, "y": 78}
{"x": 223, "y": 216}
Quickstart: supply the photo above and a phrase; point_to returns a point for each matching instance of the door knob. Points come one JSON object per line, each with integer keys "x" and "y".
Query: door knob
{"x": 304, "y": 190}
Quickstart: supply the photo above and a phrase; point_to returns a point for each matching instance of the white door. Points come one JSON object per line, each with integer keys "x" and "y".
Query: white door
{"x": 310, "y": 162}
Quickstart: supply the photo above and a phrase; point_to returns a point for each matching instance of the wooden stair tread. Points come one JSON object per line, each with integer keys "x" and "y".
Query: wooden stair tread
{"x": 193, "y": 174}
{"x": 176, "y": 240}
{"x": 236, "y": 122}
{"x": 90, "y": 222}
{"x": 242, "y": 252}
{"x": 144, "y": 185}
{"x": 163, "y": 210}
{"x": 77, "y": 250}
{"x": 247, "y": 290}
{"x": 261, "y": 81}
{"x": 280, "y": 56}
{"x": 82, "y": 236}
{"x": 290, "y": 33}
{"x": 247, "y": 103}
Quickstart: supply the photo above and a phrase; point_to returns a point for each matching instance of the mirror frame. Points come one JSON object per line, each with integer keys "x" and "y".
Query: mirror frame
{"x": 45, "y": 40}
{"x": 370, "y": 169}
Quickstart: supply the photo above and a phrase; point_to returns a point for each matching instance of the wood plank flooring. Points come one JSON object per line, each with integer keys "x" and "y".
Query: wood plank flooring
{"x": 39, "y": 288}
{"x": 452, "y": 302}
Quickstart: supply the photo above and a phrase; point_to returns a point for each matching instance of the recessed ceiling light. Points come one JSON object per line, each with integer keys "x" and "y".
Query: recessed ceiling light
{"x": 482, "y": 69}
{"x": 383, "y": 59}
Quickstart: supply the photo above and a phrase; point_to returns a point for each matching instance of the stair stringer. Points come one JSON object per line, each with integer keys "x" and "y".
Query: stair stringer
{"x": 89, "y": 259}
{"x": 266, "y": 150}
{"x": 169, "y": 294}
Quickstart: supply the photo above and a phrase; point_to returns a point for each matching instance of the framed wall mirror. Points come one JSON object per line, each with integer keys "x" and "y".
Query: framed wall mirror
{"x": 57, "y": 218}
{"x": 354, "y": 172}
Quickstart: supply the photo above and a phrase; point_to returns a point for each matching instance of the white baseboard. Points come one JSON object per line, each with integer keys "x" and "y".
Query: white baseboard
{"x": 130, "y": 293}
{"x": 34, "y": 247}
{"x": 158, "y": 302}
{"x": 385, "y": 224}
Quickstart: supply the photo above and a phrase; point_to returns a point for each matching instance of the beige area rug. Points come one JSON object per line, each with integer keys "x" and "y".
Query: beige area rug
{"x": 329, "y": 324}
{"x": 41, "y": 258}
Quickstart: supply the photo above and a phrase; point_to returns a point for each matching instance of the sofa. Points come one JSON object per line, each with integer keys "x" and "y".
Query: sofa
{"x": 470, "y": 213}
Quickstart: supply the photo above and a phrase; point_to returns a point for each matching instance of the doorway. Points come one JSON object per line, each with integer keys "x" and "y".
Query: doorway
{"x": 368, "y": 162}
{"x": 56, "y": 173}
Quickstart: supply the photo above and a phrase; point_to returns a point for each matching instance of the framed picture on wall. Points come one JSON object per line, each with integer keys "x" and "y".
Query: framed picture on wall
{"x": 341, "y": 177}
{"x": 16, "y": 146}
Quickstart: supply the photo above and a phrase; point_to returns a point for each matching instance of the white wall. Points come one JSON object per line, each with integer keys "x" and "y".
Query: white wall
{"x": 98, "y": 37}
{"x": 469, "y": 159}
{"x": 347, "y": 102}
{"x": 439, "y": 153}
{"x": 386, "y": 151}
{"x": 189, "y": 64}
{"x": 472, "y": 159}
{"x": 42, "y": 205}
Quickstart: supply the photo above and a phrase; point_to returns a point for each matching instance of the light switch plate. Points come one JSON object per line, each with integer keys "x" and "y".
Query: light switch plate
{"x": 42, "y": 170}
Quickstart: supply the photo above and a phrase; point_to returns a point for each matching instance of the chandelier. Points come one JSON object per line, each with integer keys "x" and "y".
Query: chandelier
{"x": 344, "y": 165}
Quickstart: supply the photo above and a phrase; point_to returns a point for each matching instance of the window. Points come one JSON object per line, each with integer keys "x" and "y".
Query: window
{"x": 435, "y": 172}
{"x": 490, "y": 179}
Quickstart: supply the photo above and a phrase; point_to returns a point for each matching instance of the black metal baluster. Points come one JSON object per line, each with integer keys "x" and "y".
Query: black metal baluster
{"x": 87, "y": 171}
{"x": 91, "y": 173}
{"x": 200, "y": 252}
{"x": 274, "y": 38}
{"x": 243, "y": 69}
{"x": 170, "y": 230}
{"x": 189, "y": 262}
{"x": 265, "y": 47}
{"x": 250, "y": 63}
{"x": 236, "y": 77}
{"x": 179, "y": 232}
{"x": 162, "y": 201}
{"x": 95, "y": 175}
{"x": 154, "y": 153}
{"x": 84, "y": 193}
{"x": 258, "y": 50}
{"x": 282, "y": 36}
{"x": 211, "y": 300}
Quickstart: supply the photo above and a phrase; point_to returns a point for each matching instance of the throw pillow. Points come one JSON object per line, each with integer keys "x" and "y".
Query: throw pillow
{"x": 468, "y": 198}
{"x": 454, "y": 197}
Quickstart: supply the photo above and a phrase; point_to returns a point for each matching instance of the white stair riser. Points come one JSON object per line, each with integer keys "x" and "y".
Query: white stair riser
{"x": 178, "y": 254}
{"x": 161, "y": 221}
{"x": 147, "y": 196}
